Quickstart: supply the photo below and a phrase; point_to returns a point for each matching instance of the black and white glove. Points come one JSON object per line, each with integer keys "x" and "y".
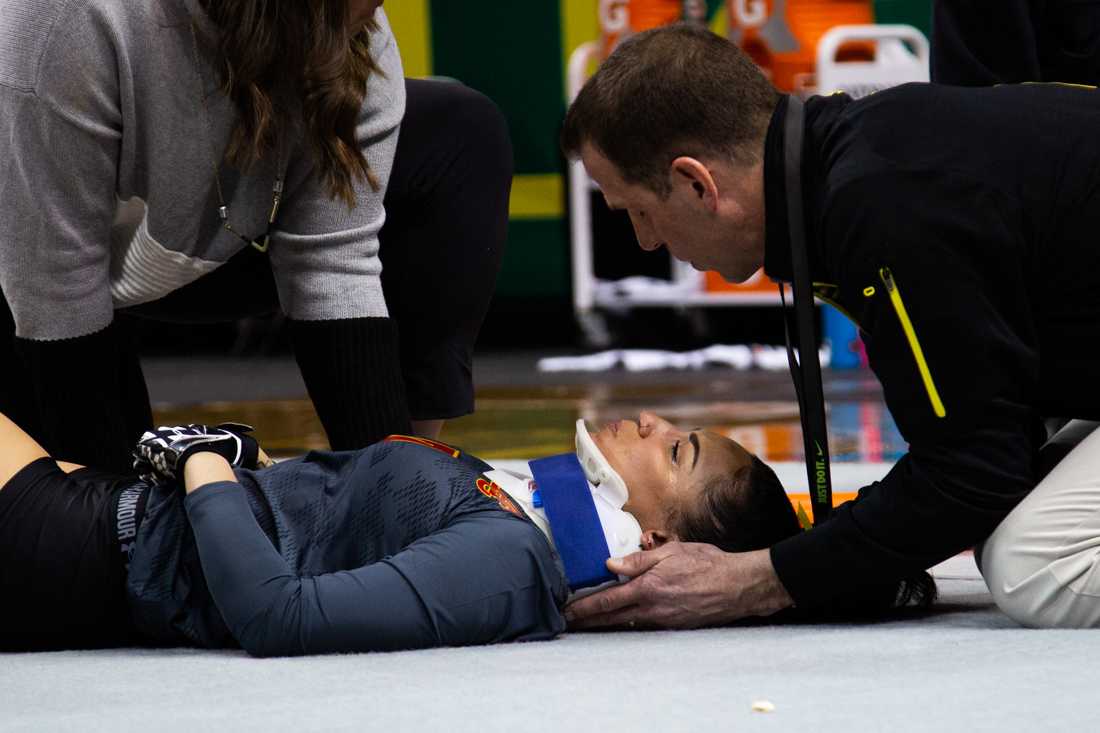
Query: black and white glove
{"x": 160, "y": 454}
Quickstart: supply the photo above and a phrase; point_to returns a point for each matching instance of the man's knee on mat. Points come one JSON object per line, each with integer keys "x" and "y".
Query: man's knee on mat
{"x": 1061, "y": 591}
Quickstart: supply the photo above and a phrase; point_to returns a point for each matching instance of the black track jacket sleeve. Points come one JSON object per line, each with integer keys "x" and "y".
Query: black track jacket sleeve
{"x": 957, "y": 267}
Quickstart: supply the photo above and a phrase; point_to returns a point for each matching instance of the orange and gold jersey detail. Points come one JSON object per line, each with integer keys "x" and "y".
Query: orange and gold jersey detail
{"x": 433, "y": 444}
{"x": 491, "y": 490}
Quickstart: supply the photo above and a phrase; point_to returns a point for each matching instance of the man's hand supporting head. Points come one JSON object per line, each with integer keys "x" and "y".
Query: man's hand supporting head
{"x": 683, "y": 586}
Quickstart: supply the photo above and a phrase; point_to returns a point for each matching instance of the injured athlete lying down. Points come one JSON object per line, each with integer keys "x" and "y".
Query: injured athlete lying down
{"x": 405, "y": 544}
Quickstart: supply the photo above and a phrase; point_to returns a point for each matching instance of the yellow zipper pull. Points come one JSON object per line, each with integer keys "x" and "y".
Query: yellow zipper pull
{"x": 914, "y": 344}
{"x": 888, "y": 280}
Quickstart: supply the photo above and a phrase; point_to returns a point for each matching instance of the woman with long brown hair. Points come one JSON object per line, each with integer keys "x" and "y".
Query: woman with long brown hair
{"x": 204, "y": 160}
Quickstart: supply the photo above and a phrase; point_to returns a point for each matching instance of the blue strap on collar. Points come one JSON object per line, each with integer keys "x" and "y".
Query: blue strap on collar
{"x": 578, "y": 533}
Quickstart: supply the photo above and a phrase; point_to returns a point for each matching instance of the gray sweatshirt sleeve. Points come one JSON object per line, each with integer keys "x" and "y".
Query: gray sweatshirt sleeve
{"x": 325, "y": 255}
{"x": 106, "y": 187}
{"x": 485, "y": 578}
{"x": 60, "y": 128}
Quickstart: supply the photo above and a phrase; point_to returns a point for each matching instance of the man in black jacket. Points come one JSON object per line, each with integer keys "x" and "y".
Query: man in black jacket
{"x": 959, "y": 228}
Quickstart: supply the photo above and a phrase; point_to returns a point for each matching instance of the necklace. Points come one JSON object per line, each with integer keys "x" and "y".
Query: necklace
{"x": 259, "y": 243}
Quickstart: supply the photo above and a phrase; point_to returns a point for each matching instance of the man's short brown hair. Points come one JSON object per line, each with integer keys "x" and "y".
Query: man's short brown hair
{"x": 667, "y": 92}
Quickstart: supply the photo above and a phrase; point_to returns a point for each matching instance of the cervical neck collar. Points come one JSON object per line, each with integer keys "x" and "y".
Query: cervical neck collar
{"x": 597, "y": 470}
{"x": 586, "y": 519}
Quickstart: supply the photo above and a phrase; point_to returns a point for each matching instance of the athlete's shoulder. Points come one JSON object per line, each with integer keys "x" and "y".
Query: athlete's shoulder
{"x": 413, "y": 442}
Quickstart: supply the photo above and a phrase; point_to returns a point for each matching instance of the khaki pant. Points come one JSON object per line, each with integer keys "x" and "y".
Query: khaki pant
{"x": 1042, "y": 563}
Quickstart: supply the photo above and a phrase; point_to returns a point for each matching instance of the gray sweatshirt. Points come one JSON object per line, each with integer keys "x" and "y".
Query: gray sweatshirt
{"x": 107, "y": 192}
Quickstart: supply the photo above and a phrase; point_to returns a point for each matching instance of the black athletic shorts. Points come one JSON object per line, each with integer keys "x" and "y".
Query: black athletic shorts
{"x": 64, "y": 542}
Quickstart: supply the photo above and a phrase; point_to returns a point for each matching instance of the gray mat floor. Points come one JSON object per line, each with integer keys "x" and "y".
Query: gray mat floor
{"x": 963, "y": 667}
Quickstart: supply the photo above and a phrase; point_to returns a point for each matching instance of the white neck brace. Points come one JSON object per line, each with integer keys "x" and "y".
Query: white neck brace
{"x": 597, "y": 470}
{"x": 609, "y": 493}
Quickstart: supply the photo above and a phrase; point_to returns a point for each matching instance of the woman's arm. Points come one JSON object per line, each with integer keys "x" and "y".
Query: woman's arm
{"x": 62, "y": 123}
{"x": 484, "y": 578}
{"x": 325, "y": 258}
{"x": 206, "y": 468}
{"x": 268, "y": 607}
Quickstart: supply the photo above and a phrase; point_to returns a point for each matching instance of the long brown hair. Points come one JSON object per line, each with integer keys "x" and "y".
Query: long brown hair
{"x": 269, "y": 50}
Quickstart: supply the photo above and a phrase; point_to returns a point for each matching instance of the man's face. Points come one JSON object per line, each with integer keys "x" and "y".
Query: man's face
{"x": 713, "y": 218}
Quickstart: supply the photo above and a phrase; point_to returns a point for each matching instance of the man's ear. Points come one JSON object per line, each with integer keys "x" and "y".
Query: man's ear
{"x": 687, "y": 171}
{"x": 654, "y": 538}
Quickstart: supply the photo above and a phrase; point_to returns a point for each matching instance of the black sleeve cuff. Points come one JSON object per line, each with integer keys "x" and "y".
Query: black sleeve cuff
{"x": 352, "y": 371}
{"x": 832, "y": 562}
{"x": 90, "y": 395}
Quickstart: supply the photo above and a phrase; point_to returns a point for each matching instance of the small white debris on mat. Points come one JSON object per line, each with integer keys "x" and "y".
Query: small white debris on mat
{"x": 763, "y": 706}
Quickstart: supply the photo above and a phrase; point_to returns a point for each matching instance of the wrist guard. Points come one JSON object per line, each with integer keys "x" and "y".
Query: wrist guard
{"x": 160, "y": 454}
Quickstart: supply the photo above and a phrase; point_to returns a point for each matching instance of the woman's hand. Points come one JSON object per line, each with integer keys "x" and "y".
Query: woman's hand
{"x": 160, "y": 455}
{"x": 263, "y": 460}
{"x": 683, "y": 586}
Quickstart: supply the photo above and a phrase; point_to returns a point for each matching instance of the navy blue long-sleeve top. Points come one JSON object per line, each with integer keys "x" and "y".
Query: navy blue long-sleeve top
{"x": 396, "y": 546}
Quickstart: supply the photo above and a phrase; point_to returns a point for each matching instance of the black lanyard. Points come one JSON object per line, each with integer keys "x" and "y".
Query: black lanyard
{"x": 806, "y": 372}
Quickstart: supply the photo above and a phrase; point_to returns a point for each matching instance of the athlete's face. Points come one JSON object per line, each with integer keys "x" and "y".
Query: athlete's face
{"x": 664, "y": 466}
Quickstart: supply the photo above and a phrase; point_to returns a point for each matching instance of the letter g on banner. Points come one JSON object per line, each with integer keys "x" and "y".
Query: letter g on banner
{"x": 750, "y": 13}
{"x": 614, "y": 16}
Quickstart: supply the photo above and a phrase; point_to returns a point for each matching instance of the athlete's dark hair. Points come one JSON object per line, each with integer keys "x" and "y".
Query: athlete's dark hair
{"x": 304, "y": 49}
{"x": 667, "y": 92}
{"x": 749, "y": 510}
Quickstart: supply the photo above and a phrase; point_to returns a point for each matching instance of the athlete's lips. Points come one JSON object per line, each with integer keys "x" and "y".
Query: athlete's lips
{"x": 613, "y": 427}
